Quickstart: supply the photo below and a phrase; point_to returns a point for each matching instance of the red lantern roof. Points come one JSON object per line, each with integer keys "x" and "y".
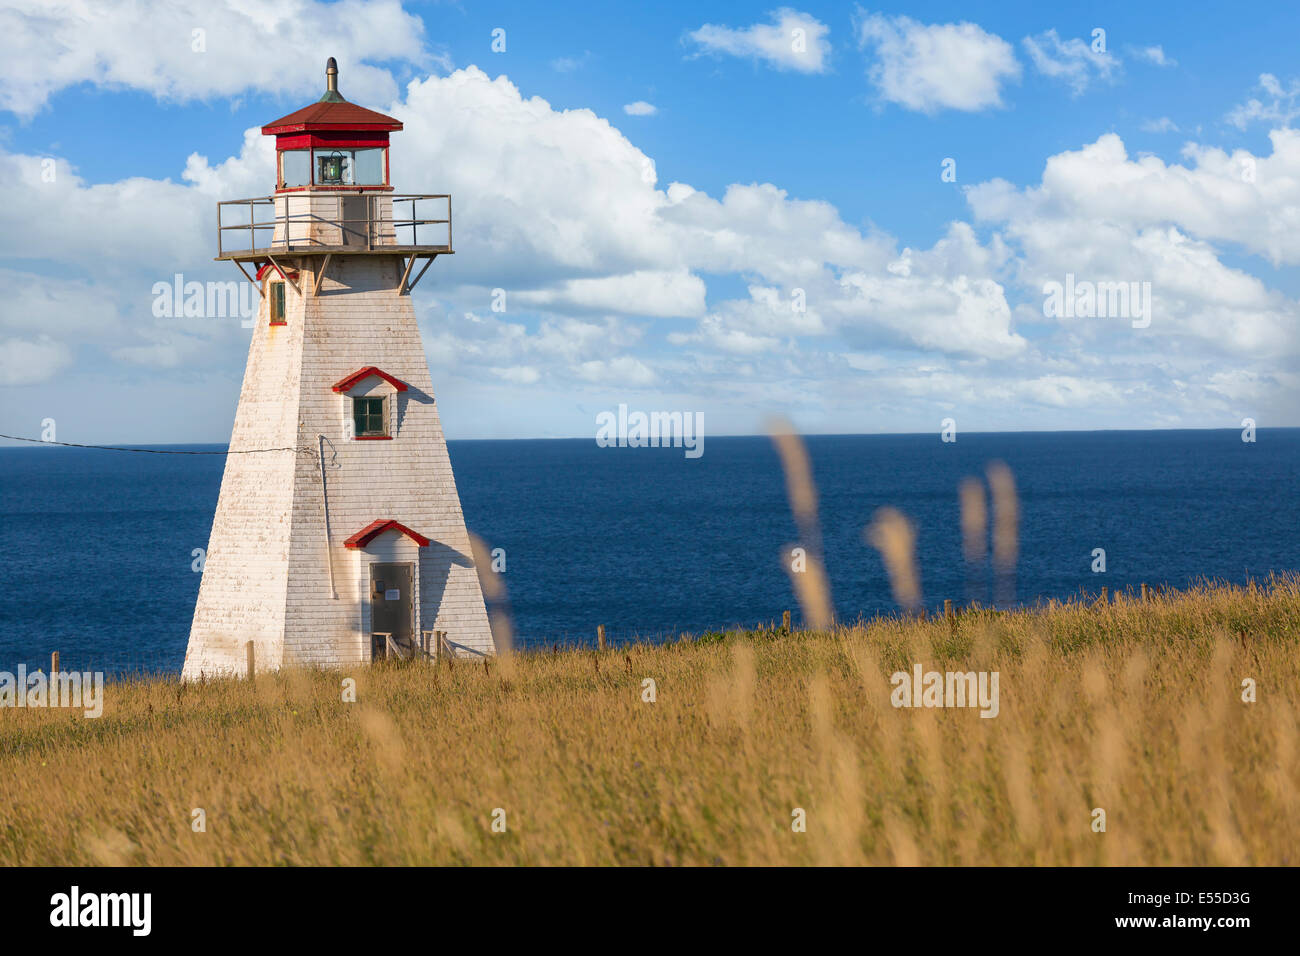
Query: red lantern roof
{"x": 331, "y": 112}
{"x": 324, "y": 116}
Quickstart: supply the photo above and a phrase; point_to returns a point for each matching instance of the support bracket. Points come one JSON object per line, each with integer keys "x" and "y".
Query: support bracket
{"x": 401, "y": 286}
{"x": 416, "y": 281}
{"x": 320, "y": 275}
{"x": 256, "y": 285}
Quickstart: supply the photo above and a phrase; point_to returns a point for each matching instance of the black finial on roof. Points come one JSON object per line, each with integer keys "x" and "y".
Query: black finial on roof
{"x": 332, "y": 94}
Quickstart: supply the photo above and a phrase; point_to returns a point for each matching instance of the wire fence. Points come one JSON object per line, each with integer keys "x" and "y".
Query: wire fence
{"x": 157, "y": 663}
{"x": 136, "y": 663}
{"x": 131, "y": 664}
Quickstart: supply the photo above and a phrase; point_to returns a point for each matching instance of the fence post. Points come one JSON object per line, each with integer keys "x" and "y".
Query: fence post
{"x": 1105, "y": 598}
{"x": 251, "y": 668}
{"x": 949, "y": 614}
{"x": 600, "y": 636}
{"x": 54, "y": 664}
{"x": 785, "y": 621}
{"x": 1145, "y": 595}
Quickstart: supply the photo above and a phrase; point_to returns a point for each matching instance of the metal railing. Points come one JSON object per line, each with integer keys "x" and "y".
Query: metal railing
{"x": 293, "y": 231}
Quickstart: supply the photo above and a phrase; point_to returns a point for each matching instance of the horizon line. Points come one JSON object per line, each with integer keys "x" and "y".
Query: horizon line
{"x": 36, "y": 442}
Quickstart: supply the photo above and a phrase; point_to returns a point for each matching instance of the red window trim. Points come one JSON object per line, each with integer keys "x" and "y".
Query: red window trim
{"x": 335, "y": 189}
{"x": 331, "y": 141}
{"x": 372, "y": 437}
{"x": 376, "y": 528}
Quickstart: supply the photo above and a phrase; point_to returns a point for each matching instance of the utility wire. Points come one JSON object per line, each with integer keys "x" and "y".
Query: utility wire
{"x": 148, "y": 451}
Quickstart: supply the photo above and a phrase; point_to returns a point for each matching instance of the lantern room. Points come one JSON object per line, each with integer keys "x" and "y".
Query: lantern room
{"x": 332, "y": 145}
{"x": 334, "y": 194}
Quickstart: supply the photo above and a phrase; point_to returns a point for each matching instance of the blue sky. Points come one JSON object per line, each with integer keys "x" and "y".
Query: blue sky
{"x": 1163, "y": 156}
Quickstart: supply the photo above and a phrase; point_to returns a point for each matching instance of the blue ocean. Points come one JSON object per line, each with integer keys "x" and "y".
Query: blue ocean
{"x": 97, "y": 547}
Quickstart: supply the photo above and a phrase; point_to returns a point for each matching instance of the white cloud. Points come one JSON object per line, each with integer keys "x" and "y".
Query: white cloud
{"x": 792, "y": 41}
{"x": 932, "y": 67}
{"x": 1068, "y": 391}
{"x": 1103, "y": 217}
{"x": 640, "y": 108}
{"x": 623, "y": 370}
{"x": 1249, "y": 200}
{"x": 31, "y": 361}
{"x": 158, "y": 355}
{"x": 67, "y": 307}
{"x": 66, "y": 218}
{"x": 1073, "y": 62}
{"x": 609, "y": 276}
{"x": 568, "y": 218}
{"x": 519, "y": 374}
{"x": 1279, "y": 107}
{"x": 961, "y": 316}
{"x": 1156, "y": 55}
{"x": 559, "y": 350}
{"x": 49, "y": 45}
{"x": 656, "y": 293}
{"x": 715, "y": 334}
{"x": 552, "y": 194}
{"x": 1239, "y": 385}
{"x": 1162, "y": 125}
{"x": 570, "y": 64}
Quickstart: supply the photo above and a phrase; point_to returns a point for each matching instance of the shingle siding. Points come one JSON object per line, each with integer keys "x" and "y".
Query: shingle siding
{"x": 267, "y": 571}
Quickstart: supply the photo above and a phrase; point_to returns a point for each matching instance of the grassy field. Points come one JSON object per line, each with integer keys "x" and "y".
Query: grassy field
{"x": 1135, "y": 708}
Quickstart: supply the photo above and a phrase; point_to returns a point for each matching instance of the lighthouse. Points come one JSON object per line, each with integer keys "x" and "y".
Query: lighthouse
{"x": 338, "y": 537}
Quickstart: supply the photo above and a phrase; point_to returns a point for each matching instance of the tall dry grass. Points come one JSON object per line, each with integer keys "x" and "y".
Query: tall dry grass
{"x": 1133, "y": 707}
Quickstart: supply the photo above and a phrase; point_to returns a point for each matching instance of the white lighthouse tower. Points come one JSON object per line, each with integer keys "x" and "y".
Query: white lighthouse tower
{"x": 338, "y": 537}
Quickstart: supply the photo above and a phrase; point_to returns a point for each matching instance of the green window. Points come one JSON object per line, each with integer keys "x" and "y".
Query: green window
{"x": 277, "y": 303}
{"x": 368, "y": 416}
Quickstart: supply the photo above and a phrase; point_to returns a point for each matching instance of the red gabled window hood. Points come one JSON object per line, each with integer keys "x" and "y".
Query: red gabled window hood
{"x": 360, "y": 375}
{"x": 376, "y": 528}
